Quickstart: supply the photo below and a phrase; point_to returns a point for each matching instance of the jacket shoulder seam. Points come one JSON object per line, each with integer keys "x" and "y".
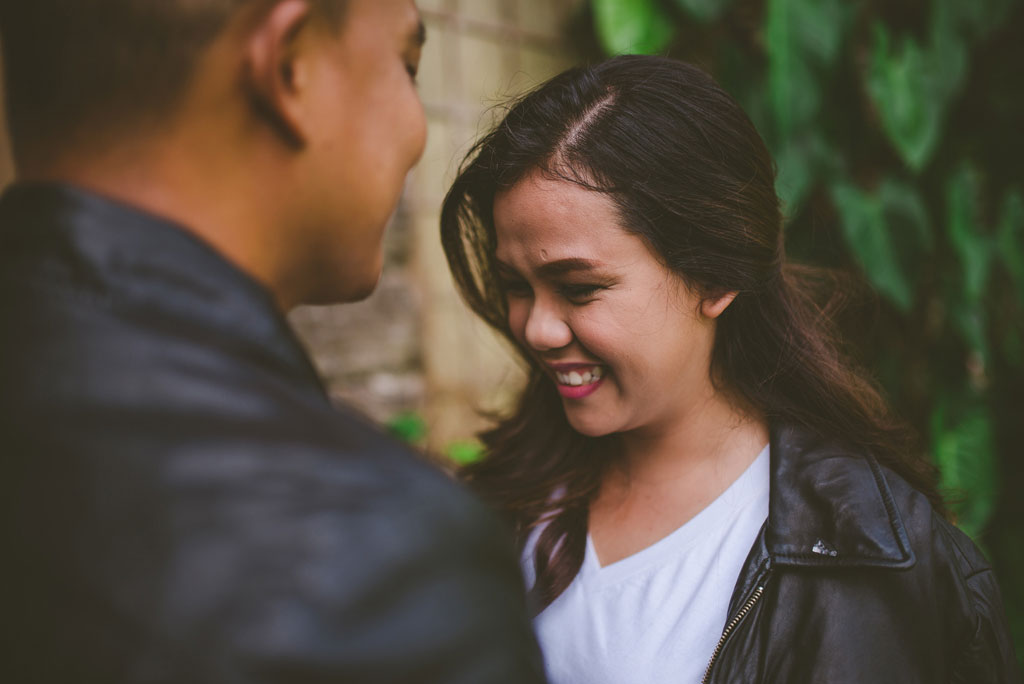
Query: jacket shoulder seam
{"x": 966, "y": 566}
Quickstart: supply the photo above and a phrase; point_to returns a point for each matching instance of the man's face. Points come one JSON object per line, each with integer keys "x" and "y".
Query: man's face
{"x": 368, "y": 130}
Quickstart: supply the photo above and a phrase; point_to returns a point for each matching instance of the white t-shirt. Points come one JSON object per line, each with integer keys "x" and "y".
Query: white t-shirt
{"x": 657, "y": 615}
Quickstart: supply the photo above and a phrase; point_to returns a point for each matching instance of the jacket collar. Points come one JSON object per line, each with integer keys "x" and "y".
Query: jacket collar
{"x": 830, "y": 506}
{"x": 128, "y": 258}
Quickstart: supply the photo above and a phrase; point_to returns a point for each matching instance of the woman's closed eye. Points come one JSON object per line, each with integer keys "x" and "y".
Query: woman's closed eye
{"x": 579, "y": 292}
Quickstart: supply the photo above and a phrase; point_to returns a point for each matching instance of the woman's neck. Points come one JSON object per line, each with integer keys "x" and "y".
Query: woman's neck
{"x": 664, "y": 477}
{"x": 714, "y": 437}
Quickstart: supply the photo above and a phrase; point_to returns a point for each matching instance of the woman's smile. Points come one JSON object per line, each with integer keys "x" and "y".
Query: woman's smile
{"x": 577, "y": 380}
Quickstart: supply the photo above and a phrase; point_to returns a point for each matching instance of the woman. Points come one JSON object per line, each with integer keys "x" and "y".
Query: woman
{"x": 703, "y": 487}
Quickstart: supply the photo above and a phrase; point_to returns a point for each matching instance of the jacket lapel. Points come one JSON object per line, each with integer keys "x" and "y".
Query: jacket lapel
{"x": 830, "y": 506}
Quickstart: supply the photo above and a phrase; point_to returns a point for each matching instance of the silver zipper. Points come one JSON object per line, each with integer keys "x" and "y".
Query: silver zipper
{"x": 737, "y": 619}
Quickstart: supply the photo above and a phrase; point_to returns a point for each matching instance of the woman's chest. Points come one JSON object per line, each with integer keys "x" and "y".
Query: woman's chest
{"x": 648, "y": 628}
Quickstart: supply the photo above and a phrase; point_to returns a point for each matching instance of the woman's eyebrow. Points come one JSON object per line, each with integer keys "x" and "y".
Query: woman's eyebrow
{"x": 568, "y": 265}
{"x": 557, "y": 267}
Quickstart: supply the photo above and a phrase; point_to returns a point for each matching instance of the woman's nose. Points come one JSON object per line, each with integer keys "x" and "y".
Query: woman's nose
{"x": 546, "y": 327}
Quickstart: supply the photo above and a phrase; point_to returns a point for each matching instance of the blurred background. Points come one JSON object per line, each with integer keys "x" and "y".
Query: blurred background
{"x": 897, "y": 128}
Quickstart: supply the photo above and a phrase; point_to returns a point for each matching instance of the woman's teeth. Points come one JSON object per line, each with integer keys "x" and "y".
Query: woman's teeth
{"x": 576, "y": 378}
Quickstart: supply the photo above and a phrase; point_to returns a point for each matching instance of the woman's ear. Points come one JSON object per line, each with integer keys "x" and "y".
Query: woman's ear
{"x": 274, "y": 75}
{"x": 712, "y": 307}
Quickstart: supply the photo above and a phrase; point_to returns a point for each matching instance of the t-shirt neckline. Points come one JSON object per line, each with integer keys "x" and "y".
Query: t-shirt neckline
{"x": 712, "y": 519}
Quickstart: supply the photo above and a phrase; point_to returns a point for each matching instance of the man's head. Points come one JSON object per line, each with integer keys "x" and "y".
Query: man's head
{"x": 299, "y": 118}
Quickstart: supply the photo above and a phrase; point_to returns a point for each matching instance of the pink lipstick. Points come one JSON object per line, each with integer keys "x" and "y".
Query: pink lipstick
{"x": 577, "y": 380}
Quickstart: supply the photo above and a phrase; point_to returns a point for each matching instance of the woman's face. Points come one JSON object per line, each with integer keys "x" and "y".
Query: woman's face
{"x": 624, "y": 340}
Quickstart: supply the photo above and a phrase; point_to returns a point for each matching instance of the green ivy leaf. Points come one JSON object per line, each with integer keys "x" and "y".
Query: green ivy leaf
{"x": 799, "y": 161}
{"x": 876, "y": 226}
{"x": 704, "y": 10}
{"x": 464, "y": 453}
{"x": 802, "y": 36}
{"x": 794, "y": 92}
{"x": 972, "y": 246}
{"x": 911, "y": 88}
{"x": 974, "y": 250}
{"x": 795, "y": 176}
{"x": 818, "y": 27}
{"x": 964, "y": 450}
{"x": 408, "y": 426}
{"x": 632, "y": 26}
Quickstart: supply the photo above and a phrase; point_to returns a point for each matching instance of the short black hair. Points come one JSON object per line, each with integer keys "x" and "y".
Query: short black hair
{"x": 77, "y": 68}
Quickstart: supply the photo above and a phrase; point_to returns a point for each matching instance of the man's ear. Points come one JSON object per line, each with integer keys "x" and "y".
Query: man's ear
{"x": 712, "y": 307}
{"x": 274, "y": 76}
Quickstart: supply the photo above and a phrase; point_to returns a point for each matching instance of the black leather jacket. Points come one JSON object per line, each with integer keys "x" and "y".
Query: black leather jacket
{"x": 854, "y": 578}
{"x": 182, "y": 504}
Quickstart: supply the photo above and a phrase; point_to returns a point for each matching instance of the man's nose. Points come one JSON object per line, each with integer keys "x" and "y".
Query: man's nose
{"x": 546, "y": 327}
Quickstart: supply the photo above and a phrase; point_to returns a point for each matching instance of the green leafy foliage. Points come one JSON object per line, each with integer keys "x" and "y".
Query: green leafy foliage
{"x": 465, "y": 452}
{"x": 803, "y": 38}
{"x": 974, "y": 248}
{"x": 408, "y": 426}
{"x": 632, "y": 26}
{"x": 412, "y": 428}
{"x": 872, "y": 222}
{"x": 797, "y": 162}
{"x": 975, "y": 251}
{"x": 964, "y": 451}
{"x": 912, "y": 87}
{"x": 704, "y": 10}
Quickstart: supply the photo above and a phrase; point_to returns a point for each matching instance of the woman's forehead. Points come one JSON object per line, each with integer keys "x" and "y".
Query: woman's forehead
{"x": 555, "y": 228}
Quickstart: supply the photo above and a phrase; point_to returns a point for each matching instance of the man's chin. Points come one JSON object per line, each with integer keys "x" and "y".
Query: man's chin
{"x": 361, "y": 293}
{"x": 353, "y": 289}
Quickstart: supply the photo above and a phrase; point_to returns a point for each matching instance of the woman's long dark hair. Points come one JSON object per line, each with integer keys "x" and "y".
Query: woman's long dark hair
{"x": 689, "y": 174}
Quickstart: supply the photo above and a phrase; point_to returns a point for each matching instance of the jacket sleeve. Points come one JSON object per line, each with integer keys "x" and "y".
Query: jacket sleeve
{"x": 989, "y": 656}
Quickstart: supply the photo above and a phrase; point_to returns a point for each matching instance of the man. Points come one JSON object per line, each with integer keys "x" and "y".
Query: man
{"x": 181, "y": 502}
